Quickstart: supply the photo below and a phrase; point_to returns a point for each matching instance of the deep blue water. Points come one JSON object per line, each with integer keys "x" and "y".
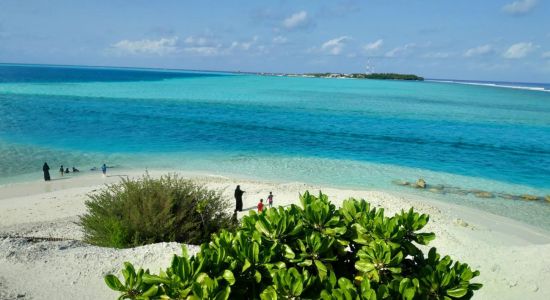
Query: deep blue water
{"x": 367, "y": 131}
{"x": 44, "y": 74}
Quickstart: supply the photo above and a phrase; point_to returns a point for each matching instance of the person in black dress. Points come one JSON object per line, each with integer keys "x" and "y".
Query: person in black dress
{"x": 46, "y": 170}
{"x": 61, "y": 170}
{"x": 239, "y": 198}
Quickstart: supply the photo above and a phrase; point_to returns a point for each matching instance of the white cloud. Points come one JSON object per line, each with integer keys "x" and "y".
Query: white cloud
{"x": 335, "y": 46}
{"x": 519, "y": 50}
{"x": 374, "y": 45}
{"x": 520, "y": 7}
{"x": 478, "y": 51}
{"x": 400, "y": 51}
{"x": 296, "y": 20}
{"x": 197, "y": 41}
{"x": 203, "y": 46}
{"x": 204, "y": 50}
{"x": 280, "y": 39}
{"x": 546, "y": 54}
{"x": 192, "y": 45}
{"x": 159, "y": 47}
{"x": 244, "y": 45}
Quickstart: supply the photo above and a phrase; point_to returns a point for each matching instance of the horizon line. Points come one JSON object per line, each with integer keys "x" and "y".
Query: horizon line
{"x": 237, "y": 72}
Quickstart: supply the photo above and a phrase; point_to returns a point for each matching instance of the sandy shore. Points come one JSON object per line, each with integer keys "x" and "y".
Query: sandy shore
{"x": 512, "y": 257}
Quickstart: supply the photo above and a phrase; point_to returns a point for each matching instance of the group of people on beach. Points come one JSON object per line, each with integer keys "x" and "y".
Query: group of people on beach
{"x": 239, "y": 200}
{"x": 66, "y": 171}
{"x": 62, "y": 171}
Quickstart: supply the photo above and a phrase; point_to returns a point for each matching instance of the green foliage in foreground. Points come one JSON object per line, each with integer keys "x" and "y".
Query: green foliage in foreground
{"x": 312, "y": 252}
{"x": 148, "y": 210}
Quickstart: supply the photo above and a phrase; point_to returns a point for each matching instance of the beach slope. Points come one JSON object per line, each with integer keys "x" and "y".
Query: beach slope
{"x": 512, "y": 257}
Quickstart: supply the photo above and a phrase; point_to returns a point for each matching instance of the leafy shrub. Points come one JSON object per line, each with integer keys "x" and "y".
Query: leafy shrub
{"x": 312, "y": 252}
{"x": 147, "y": 210}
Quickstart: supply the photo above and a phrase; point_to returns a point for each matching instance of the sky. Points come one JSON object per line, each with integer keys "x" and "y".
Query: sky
{"x": 506, "y": 40}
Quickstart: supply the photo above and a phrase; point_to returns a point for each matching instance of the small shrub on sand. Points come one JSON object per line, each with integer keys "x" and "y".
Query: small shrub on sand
{"x": 315, "y": 251}
{"x": 147, "y": 210}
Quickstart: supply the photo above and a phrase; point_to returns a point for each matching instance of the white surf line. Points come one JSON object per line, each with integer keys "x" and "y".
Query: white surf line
{"x": 517, "y": 87}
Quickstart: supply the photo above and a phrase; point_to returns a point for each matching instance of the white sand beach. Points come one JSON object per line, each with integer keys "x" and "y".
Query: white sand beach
{"x": 513, "y": 257}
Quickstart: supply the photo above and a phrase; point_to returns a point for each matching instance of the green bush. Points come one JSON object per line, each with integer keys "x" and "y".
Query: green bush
{"x": 147, "y": 210}
{"x": 312, "y": 252}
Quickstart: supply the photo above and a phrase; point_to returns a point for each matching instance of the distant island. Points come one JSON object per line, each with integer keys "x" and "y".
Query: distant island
{"x": 380, "y": 76}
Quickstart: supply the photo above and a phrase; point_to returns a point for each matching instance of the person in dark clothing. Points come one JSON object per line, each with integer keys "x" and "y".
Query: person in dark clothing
{"x": 270, "y": 199}
{"x": 239, "y": 198}
{"x": 75, "y": 169}
{"x": 67, "y": 171}
{"x": 61, "y": 170}
{"x": 46, "y": 170}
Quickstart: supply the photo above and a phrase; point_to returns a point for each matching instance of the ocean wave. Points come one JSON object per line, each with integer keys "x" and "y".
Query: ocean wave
{"x": 499, "y": 85}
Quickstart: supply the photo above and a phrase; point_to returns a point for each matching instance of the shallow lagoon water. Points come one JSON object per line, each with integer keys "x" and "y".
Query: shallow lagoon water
{"x": 353, "y": 133}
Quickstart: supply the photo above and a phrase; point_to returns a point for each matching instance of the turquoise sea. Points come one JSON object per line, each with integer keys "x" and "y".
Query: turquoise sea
{"x": 338, "y": 132}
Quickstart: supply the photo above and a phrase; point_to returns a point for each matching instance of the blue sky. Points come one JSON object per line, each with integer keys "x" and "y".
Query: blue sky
{"x": 466, "y": 39}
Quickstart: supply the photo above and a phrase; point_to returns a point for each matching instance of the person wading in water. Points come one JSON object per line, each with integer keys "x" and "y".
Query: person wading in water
{"x": 239, "y": 198}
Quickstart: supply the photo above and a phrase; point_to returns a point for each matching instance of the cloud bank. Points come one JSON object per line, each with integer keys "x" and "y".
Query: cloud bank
{"x": 158, "y": 47}
{"x": 296, "y": 20}
{"x": 478, "y": 51}
{"x": 520, "y": 7}
{"x": 374, "y": 45}
{"x": 519, "y": 50}
{"x": 401, "y": 50}
{"x": 335, "y": 46}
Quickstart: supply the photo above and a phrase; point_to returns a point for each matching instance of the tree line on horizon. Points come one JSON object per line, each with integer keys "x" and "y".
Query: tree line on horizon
{"x": 382, "y": 76}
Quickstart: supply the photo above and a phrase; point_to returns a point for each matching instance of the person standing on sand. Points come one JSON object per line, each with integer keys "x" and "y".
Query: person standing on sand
{"x": 270, "y": 200}
{"x": 104, "y": 170}
{"x": 261, "y": 206}
{"x": 239, "y": 198}
{"x": 46, "y": 170}
{"x": 61, "y": 170}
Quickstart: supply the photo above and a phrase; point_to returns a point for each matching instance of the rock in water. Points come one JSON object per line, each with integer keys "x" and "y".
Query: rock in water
{"x": 529, "y": 197}
{"x": 421, "y": 184}
{"x": 483, "y": 194}
{"x": 547, "y": 198}
{"x": 400, "y": 182}
{"x": 506, "y": 196}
